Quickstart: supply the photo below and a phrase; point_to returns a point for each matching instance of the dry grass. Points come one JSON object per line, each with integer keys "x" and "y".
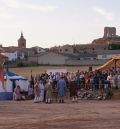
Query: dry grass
{"x": 26, "y": 71}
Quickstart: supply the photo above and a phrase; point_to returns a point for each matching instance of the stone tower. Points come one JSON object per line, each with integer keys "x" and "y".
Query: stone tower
{"x": 22, "y": 41}
{"x": 109, "y": 32}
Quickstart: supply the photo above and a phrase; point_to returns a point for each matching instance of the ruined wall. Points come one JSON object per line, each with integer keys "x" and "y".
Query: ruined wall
{"x": 109, "y": 32}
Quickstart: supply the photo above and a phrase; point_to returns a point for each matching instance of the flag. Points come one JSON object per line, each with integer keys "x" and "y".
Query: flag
{"x": 2, "y": 78}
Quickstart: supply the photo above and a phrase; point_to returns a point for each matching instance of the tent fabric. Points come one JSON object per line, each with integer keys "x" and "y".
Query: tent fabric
{"x": 12, "y": 76}
{"x": 6, "y": 95}
{"x": 114, "y": 62}
{"x": 10, "y": 79}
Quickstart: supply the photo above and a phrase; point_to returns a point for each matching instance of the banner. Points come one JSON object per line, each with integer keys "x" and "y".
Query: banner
{"x": 56, "y": 71}
{"x": 2, "y": 88}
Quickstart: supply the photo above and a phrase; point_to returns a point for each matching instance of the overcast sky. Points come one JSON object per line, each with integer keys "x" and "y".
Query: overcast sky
{"x": 47, "y": 23}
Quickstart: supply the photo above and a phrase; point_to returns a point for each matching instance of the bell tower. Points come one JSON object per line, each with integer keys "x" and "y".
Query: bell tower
{"x": 22, "y": 41}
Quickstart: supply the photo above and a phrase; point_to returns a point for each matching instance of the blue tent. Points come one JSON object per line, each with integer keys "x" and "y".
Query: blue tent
{"x": 12, "y": 76}
{"x": 8, "y": 95}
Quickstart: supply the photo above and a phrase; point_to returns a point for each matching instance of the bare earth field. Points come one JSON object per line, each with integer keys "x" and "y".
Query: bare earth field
{"x": 82, "y": 115}
{"x": 85, "y": 114}
{"x": 26, "y": 71}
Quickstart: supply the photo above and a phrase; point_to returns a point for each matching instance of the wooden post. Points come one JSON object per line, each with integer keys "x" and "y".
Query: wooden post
{"x": 115, "y": 64}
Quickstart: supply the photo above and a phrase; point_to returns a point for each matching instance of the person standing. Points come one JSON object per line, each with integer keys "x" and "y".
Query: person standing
{"x": 49, "y": 90}
{"x": 73, "y": 89}
{"x": 118, "y": 79}
{"x": 61, "y": 88}
{"x": 30, "y": 92}
{"x": 37, "y": 92}
{"x": 42, "y": 91}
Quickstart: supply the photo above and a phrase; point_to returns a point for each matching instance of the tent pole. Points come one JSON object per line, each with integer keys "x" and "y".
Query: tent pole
{"x": 115, "y": 64}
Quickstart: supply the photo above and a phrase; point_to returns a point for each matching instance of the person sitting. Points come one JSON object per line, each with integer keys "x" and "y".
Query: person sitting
{"x": 17, "y": 95}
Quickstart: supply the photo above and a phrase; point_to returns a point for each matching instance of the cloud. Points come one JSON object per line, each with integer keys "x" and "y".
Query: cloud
{"x": 109, "y": 16}
{"x": 10, "y": 26}
{"x": 5, "y": 15}
{"x": 15, "y": 4}
{"x": 41, "y": 8}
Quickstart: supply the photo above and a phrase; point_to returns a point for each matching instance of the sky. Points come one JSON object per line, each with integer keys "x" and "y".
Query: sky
{"x": 48, "y": 23}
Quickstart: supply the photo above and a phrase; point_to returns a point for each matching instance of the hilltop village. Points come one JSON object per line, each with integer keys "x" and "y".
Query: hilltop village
{"x": 96, "y": 53}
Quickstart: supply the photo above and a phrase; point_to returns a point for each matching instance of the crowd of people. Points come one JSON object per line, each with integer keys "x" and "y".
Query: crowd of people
{"x": 42, "y": 87}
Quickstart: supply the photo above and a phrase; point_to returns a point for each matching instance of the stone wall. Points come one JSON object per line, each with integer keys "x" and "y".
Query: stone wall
{"x": 85, "y": 62}
{"x": 109, "y": 32}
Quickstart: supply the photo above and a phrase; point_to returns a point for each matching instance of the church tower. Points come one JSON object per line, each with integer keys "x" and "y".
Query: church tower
{"x": 22, "y": 41}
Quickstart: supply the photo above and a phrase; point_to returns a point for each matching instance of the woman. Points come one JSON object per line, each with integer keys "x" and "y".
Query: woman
{"x": 42, "y": 91}
{"x": 87, "y": 82}
{"x": 30, "y": 92}
{"x": 37, "y": 92}
{"x": 73, "y": 89}
{"x": 17, "y": 94}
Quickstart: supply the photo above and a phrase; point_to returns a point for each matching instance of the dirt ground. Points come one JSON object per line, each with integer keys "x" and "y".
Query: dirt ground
{"x": 26, "y": 71}
{"x": 85, "y": 114}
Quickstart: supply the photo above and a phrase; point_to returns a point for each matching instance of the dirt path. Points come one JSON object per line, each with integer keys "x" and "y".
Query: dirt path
{"x": 83, "y": 115}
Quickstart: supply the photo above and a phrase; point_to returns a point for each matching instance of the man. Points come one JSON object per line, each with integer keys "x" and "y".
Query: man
{"x": 61, "y": 88}
{"x": 42, "y": 91}
{"x": 49, "y": 90}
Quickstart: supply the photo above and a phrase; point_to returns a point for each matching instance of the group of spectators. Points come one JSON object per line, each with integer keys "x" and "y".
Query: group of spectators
{"x": 43, "y": 86}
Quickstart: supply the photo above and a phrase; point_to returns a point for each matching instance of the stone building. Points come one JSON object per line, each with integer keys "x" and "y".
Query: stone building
{"x": 90, "y": 48}
{"x": 66, "y": 49}
{"x": 108, "y": 54}
{"x": 48, "y": 58}
{"x": 14, "y": 53}
{"x": 22, "y": 41}
{"x": 109, "y": 32}
{"x": 109, "y": 37}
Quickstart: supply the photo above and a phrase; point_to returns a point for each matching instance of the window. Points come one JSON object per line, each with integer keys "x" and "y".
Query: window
{"x": 66, "y": 50}
{"x": 104, "y": 48}
{"x": 104, "y": 56}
